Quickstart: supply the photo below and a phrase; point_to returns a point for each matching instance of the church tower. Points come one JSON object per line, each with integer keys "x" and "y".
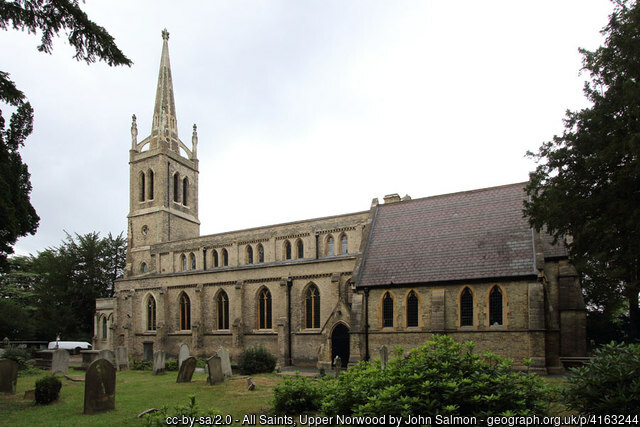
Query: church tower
{"x": 163, "y": 180}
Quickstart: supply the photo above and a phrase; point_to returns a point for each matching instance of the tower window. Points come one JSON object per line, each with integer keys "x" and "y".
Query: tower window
{"x": 249, "y": 254}
{"x": 330, "y": 250}
{"x": 225, "y": 258}
{"x": 344, "y": 247}
{"x": 185, "y": 186}
{"x": 192, "y": 258}
{"x": 104, "y": 327}
{"x": 215, "y": 258}
{"x": 223, "y": 310}
{"x": 299, "y": 249}
{"x": 387, "y": 310}
{"x": 287, "y": 249}
{"x": 412, "y": 309}
{"x": 151, "y": 313}
{"x": 150, "y": 184}
{"x": 184, "y": 321}
{"x": 495, "y": 306}
{"x": 264, "y": 309}
{"x": 143, "y": 267}
{"x": 176, "y": 186}
{"x": 142, "y": 186}
{"x": 183, "y": 262}
{"x": 466, "y": 307}
{"x": 260, "y": 253}
{"x": 312, "y": 307}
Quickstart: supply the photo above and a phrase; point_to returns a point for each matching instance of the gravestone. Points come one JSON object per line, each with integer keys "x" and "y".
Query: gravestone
{"x": 100, "y": 387}
{"x": 250, "y": 384}
{"x": 183, "y": 354}
{"x": 225, "y": 362}
{"x": 384, "y": 356}
{"x": 214, "y": 363}
{"x": 337, "y": 366}
{"x": 8, "y": 376}
{"x": 122, "y": 358}
{"x": 88, "y": 357}
{"x": 158, "y": 362}
{"x": 109, "y": 356}
{"x": 185, "y": 373}
{"x": 60, "y": 362}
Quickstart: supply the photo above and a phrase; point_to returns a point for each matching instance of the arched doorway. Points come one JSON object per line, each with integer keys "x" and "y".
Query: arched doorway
{"x": 340, "y": 343}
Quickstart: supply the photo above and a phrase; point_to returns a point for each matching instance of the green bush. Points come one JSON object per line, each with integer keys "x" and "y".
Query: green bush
{"x": 47, "y": 389}
{"x": 255, "y": 360}
{"x": 191, "y": 409}
{"x": 19, "y": 355}
{"x": 141, "y": 365}
{"x": 608, "y": 384}
{"x": 440, "y": 377}
{"x": 171, "y": 365}
{"x": 297, "y": 395}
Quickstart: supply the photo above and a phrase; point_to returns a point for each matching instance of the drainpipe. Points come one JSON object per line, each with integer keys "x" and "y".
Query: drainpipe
{"x": 366, "y": 324}
{"x": 289, "y": 285}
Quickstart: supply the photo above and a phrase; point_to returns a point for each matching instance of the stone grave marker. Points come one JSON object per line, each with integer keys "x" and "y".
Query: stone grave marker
{"x": 250, "y": 384}
{"x": 185, "y": 373}
{"x": 225, "y": 362}
{"x": 109, "y": 356}
{"x": 384, "y": 356}
{"x": 60, "y": 362}
{"x": 337, "y": 366}
{"x": 122, "y": 358}
{"x": 88, "y": 357}
{"x": 183, "y": 354}
{"x": 214, "y": 363}
{"x": 100, "y": 387}
{"x": 158, "y": 362}
{"x": 8, "y": 376}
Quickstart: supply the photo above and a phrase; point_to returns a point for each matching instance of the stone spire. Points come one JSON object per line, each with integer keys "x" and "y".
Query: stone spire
{"x": 165, "y": 126}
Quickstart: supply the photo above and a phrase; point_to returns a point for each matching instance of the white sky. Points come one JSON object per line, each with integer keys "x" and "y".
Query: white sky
{"x": 304, "y": 108}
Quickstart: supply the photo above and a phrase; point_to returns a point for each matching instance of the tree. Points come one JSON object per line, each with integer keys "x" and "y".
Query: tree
{"x": 585, "y": 189}
{"x": 91, "y": 42}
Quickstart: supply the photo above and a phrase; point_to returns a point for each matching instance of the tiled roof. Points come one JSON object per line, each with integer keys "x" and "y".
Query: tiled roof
{"x": 477, "y": 234}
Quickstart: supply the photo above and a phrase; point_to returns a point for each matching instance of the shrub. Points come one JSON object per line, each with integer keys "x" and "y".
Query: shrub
{"x": 47, "y": 389}
{"x": 297, "y": 395}
{"x": 255, "y": 360}
{"x": 191, "y": 409}
{"x": 19, "y": 355}
{"x": 141, "y": 365}
{"x": 439, "y": 377}
{"x": 171, "y": 365}
{"x": 608, "y": 384}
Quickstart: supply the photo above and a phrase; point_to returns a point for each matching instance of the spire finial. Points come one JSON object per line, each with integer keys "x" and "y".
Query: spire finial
{"x": 165, "y": 34}
{"x": 134, "y": 132}
{"x": 194, "y": 142}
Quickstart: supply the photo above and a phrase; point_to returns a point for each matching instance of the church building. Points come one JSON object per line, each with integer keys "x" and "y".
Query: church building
{"x": 465, "y": 264}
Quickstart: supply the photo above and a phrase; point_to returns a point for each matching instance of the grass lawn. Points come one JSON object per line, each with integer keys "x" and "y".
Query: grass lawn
{"x": 136, "y": 391}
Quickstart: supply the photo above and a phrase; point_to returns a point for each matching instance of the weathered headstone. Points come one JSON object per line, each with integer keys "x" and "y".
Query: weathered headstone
{"x": 384, "y": 356}
{"x": 215, "y": 370}
{"x": 100, "y": 387}
{"x": 337, "y": 366}
{"x": 250, "y": 384}
{"x": 225, "y": 362}
{"x": 122, "y": 358}
{"x": 185, "y": 373}
{"x": 158, "y": 362}
{"x": 183, "y": 354}
{"x": 109, "y": 356}
{"x": 60, "y": 362}
{"x": 88, "y": 357}
{"x": 8, "y": 376}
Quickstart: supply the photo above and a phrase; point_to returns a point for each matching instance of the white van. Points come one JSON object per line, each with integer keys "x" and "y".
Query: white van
{"x": 73, "y": 347}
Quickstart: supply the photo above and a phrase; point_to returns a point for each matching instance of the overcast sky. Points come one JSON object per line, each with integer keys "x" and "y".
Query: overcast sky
{"x": 304, "y": 108}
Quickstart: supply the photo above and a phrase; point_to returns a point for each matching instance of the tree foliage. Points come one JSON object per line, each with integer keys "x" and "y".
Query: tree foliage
{"x": 587, "y": 181}
{"x": 91, "y": 42}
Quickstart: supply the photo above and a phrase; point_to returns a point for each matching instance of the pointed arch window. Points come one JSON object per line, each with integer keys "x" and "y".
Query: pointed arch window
{"x": 192, "y": 261}
{"x": 495, "y": 306}
{"x": 185, "y": 187}
{"x": 176, "y": 187}
{"x": 330, "y": 245}
{"x": 150, "y": 184}
{"x": 466, "y": 307}
{"x": 184, "y": 320}
{"x": 104, "y": 327}
{"x": 287, "y": 249}
{"x": 249, "y": 254}
{"x": 183, "y": 262}
{"x": 387, "y": 310}
{"x": 299, "y": 249}
{"x": 264, "y": 309}
{"x": 142, "y": 186}
{"x": 225, "y": 258}
{"x": 344, "y": 246}
{"x": 151, "y": 313}
{"x": 143, "y": 267}
{"x": 215, "y": 258}
{"x": 312, "y": 307}
{"x": 260, "y": 253}
{"x": 222, "y": 310}
{"x": 412, "y": 309}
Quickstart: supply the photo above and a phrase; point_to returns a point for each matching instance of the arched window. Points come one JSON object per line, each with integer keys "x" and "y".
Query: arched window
{"x": 412, "y": 309}
{"x": 150, "y": 184}
{"x": 264, "y": 309}
{"x": 299, "y": 249}
{"x": 176, "y": 186}
{"x": 185, "y": 313}
{"x": 312, "y": 307}
{"x": 260, "y": 253}
{"x": 344, "y": 247}
{"x": 143, "y": 267}
{"x": 495, "y": 306}
{"x": 330, "y": 246}
{"x": 142, "y": 185}
{"x": 387, "y": 310}
{"x": 223, "y": 310}
{"x": 249, "y": 254}
{"x": 287, "y": 249}
{"x": 151, "y": 313}
{"x": 192, "y": 259}
{"x": 183, "y": 262}
{"x": 185, "y": 186}
{"x": 225, "y": 258}
{"x": 104, "y": 327}
{"x": 215, "y": 258}
{"x": 466, "y": 307}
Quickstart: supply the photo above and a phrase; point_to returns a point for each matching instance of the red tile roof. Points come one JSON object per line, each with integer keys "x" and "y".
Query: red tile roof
{"x": 478, "y": 234}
